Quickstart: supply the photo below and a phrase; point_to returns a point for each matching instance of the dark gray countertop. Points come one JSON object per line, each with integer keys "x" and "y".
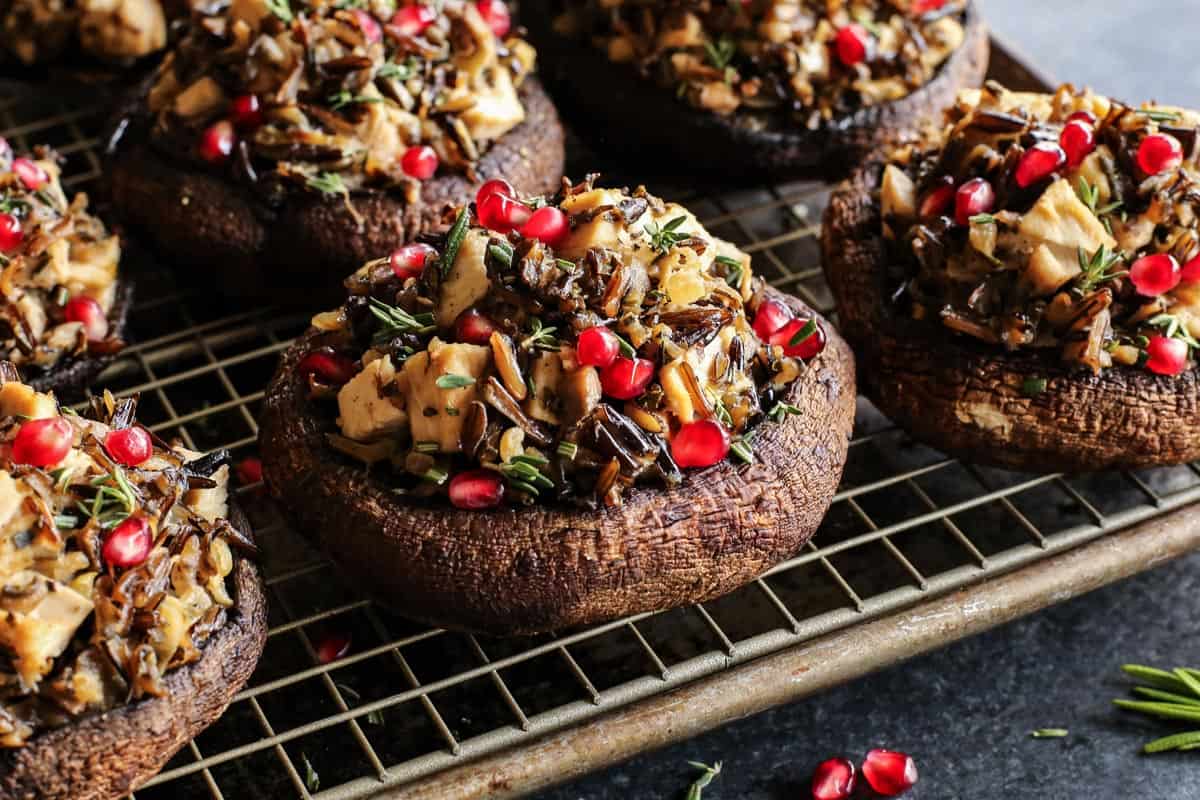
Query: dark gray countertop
{"x": 965, "y": 712}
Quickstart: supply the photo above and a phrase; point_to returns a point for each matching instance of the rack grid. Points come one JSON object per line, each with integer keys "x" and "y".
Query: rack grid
{"x": 408, "y": 703}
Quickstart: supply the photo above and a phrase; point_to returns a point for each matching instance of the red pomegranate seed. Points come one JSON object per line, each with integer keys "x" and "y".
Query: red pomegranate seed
{"x": 476, "y": 489}
{"x": 597, "y": 347}
{"x": 413, "y": 20}
{"x": 833, "y": 780}
{"x": 1166, "y": 356}
{"x": 128, "y": 544}
{"x": 919, "y": 7}
{"x": 1157, "y": 153}
{"x": 216, "y": 143}
{"x": 495, "y": 14}
{"x": 91, "y": 314}
{"x": 129, "y": 446}
{"x": 33, "y": 176}
{"x": 770, "y": 317}
{"x": 1039, "y": 162}
{"x": 246, "y": 111}
{"x": 332, "y": 647}
{"x": 499, "y": 212}
{"x": 408, "y": 261}
{"x": 1083, "y": 116}
{"x": 249, "y": 470}
{"x": 1078, "y": 140}
{"x": 548, "y": 225}
{"x": 1156, "y": 274}
{"x": 42, "y": 442}
{"x": 11, "y": 234}
{"x": 938, "y": 199}
{"x": 494, "y": 186}
{"x": 700, "y": 444}
{"x": 473, "y": 327}
{"x": 889, "y": 773}
{"x": 367, "y": 24}
{"x": 327, "y": 367}
{"x": 806, "y": 348}
{"x": 852, "y": 43}
{"x": 626, "y": 378}
{"x": 1191, "y": 271}
{"x": 420, "y": 162}
{"x": 976, "y": 196}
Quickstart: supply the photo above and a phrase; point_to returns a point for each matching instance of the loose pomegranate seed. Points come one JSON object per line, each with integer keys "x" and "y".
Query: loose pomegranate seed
{"x": 495, "y": 14}
{"x": 1083, "y": 116}
{"x": 833, "y": 780}
{"x": 597, "y": 347}
{"x": 129, "y": 446}
{"x": 476, "y": 489}
{"x": 1191, "y": 271}
{"x": 327, "y": 366}
{"x": 11, "y": 234}
{"x": 770, "y": 317}
{"x": 919, "y": 7}
{"x": 1078, "y": 140}
{"x": 91, "y": 314}
{"x": 494, "y": 186}
{"x": 413, "y": 20}
{"x": 700, "y": 444}
{"x": 889, "y": 773}
{"x": 626, "y": 378}
{"x": 332, "y": 647}
{"x": 548, "y": 225}
{"x": 367, "y": 24}
{"x": 938, "y": 199}
{"x": 128, "y": 544}
{"x": 473, "y": 327}
{"x": 1039, "y": 162}
{"x": 1166, "y": 356}
{"x": 1156, "y": 274}
{"x": 1157, "y": 153}
{"x": 42, "y": 442}
{"x": 249, "y": 470}
{"x": 420, "y": 162}
{"x": 976, "y": 196}
{"x": 216, "y": 143}
{"x": 852, "y": 43}
{"x": 408, "y": 261}
{"x": 806, "y": 348}
{"x": 33, "y": 176}
{"x": 246, "y": 111}
{"x": 499, "y": 212}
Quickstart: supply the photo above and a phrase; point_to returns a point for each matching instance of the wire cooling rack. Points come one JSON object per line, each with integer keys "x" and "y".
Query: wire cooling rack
{"x": 415, "y": 712}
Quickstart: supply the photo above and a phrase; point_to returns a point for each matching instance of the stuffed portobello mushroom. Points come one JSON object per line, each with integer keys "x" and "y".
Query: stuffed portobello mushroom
{"x": 131, "y": 610}
{"x": 37, "y": 33}
{"x": 558, "y": 415}
{"x": 64, "y": 302}
{"x": 792, "y": 88}
{"x": 286, "y": 144}
{"x": 1023, "y": 289}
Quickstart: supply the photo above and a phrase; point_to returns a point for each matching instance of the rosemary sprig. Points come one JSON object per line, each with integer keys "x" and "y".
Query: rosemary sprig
{"x": 1159, "y": 115}
{"x": 541, "y": 337}
{"x": 1173, "y": 328}
{"x": 343, "y": 98}
{"x": 781, "y": 410}
{"x": 502, "y": 252}
{"x": 114, "y": 501}
{"x": 734, "y": 271}
{"x": 524, "y": 474}
{"x": 1095, "y": 268}
{"x": 704, "y": 780}
{"x": 452, "y": 381}
{"x": 666, "y": 236}
{"x": 400, "y": 72}
{"x": 281, "y": 9}
{"x": 802, "y": 335}
{"x": 721, "y": 52}
{"x": 743, "y": 447}
{"x": 1089, "y": 195}
{"x": 454, "y": 240}
{"x": 1176, "y": 696}
{"x": 326, "y": 183}
{"x": 983, "y": 219}
{"x": 395, "y": 321}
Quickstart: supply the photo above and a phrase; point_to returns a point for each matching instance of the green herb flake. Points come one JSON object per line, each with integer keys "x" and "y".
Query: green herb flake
{"x": 983, "y": 219}
{"x": 625, "y": 347}
{"x": 697, "y": 788}
{"x": 502, "y": 253}
{"x": 326, "y": 183}
{"x": 281, "y": 9}
{"x": 1160, "y": 115}
{"x": 435, "y": 476}
{"x": 720, "y": 53}
{"x": 394, "y": 321}
{"x": 781, "y": 410}
{"x": 454, "y": 240}
{"x": 568, "y": 450}
{"x": 541, "y": 337}
{"x": 742, "y": 448}
{"x": 341, "y": 99}
{"x": 426, "y": 447}
{"x": 400, "y": 72}
{"x": 1032, "y": 387}
{"x": 1097, "y": 268}
{"x": 804, "y": 333}
{"x": 452, "y": 381}
{"x": 1049, "y": 733}
{"x": 312, "y": 781}
{"x": 664, "y": 237}
{"x": 375, "y": 717}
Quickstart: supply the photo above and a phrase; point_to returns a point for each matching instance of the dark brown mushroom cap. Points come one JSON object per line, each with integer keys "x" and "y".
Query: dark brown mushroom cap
{"x": 967, "y": 399}
{"x": 105, "y": 756}
{"x": 519, "y": 571}
{"x": 631, "y": 120}
{"x": 229, "y": 238}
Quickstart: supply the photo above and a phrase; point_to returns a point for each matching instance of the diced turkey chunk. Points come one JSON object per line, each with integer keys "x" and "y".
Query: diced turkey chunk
{"x": 122, "y": 29}
{"x": 38, "y": 618}
{"x": 1057, "y": 227}
{"x": 898, "y": 194}
{"x": 544, "y": 401}
{"x": 212, "y": 504}
{"x": 496, "y": 110}
{"x": 12, "y": 500}
{"x": 467, "y": 282}
{"x": 365, "y": 411}
{"x": 437, "y": 414}
{"x": 600, "y": 231}
{"x": 19, "y": 400}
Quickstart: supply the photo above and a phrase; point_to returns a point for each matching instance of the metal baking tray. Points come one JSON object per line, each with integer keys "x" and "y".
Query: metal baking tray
{"x": 918, "y": 550}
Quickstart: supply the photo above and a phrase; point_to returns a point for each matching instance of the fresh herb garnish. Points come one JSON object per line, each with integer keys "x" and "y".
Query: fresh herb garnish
{"x": 425, "y": 447}
{"x": 742, "y": 447}
{"x": 1032, "y": 387}
{"x": 114, "y": 501}
{"x": 983, "y": 219}
{"x": 704, "y": 780}
{"x": 664, "y": 237}
{"x": 65, "y": 521}
{"x": 400, "y": 72}
{"x": 564, "y": 264}
{"x": 802, "y": 335}
{"x": 312, "y": 781}
{"x": 523, "y": 473}
{"x": 721, "y": 52}
{"x": 326, "y": 183}
{"x": 375, "y": 717}
{"x": 395, "y": 321}
{"x": 734, "y": 271}
{"x": 502, "y": 252}
{"x": 1049, "y": 733}
{"x": 1173, "y": 328}
{"x": 568, "y": 450}
{"x": 1095, "y": 269}
{"x": 345, "y": 97}
{"x": 1173, "y": 695}
{"x": 541, "y": 337}
{"x": 451, "y": 411}
{"x": 1090, "y": 196}
{"x": 281, "y": 9}
{"x": 435, "y": 476}
{"x": 452, "y": 381}
{"x": 11, "y": 205}
{"x": 1160, "y": 115}
{"x": 454, "y": 240}
{"x": 781, "y": 410}
{"x": 623, "y": 345}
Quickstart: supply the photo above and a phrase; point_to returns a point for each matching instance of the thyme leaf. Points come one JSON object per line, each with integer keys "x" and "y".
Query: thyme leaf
{"x": 781, "y": 410}
{"x": 540, "y": 337}
{"x": 1089, "y": 195}
{"x": 1095, "y": 269}
{"x": 395, "y": 321}
{"x": 983, "y": 219}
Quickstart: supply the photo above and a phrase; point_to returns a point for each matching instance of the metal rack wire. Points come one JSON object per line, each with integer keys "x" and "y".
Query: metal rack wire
{"x": 908, "y": 525}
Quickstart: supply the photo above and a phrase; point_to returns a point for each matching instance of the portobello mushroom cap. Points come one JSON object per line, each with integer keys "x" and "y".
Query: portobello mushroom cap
{"x": 632, "y": 120}
{"x": 110, "y": 754}
{"x": 523, "y": 571}
{"x": 966, "y": 398}
{"x": 310, "y": 242}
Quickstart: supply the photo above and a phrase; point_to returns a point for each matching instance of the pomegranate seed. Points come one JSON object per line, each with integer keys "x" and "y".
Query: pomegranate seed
{"x": 1039, "y": 162}
{"x": 1191, "y": 271}
{"x": 626, "y": 378}
{"x": 919, "y": 7}
{"x": 33, "y": 176}
{"x": 249, "y": 470}
{"x": 11, "y": 234}
{"x": 367, "y": 24}
{"x": 1083, "y": 116}
{"x": 413, "y": 20}
{"x": 42, "y": 442}
{"x": 246, "y": 111}
{"x": 548, "y": 225}
{"x": 770, "y": 317}
{"x": 700, "y": 444}
{"x": 420, "y": 162}
{"x": 91, "y": 314}
{"x": 128, "y": 544}
{"x": 1156, "y": 274}
{"x": 1157, "y": 153}
{"x": 495, "y": 14}
{"x": 332, "y": 647}
{"x": 408, "y": 261}
{"x": 889, "y": 773}
{"x": 476, "y": 489}
{"x": 976, "y": 196}
{"x": 833, "y": 780}
{"x": 327, "y": 366}
{"x": 1166, "y": 356}
{"x": 129, "y": 446}
{"x": 473, "y": 327}
{"x": 806, "y": 348}
{"x": 938, "y": 199}
{"x": 499, "y": 212}
{"x": 1078, "y": 140}
{"x": 216, "y": 143}
{"x": 494, "y": 186}
{"x": 852, "y": 43}
{"x": 597, "y": 347}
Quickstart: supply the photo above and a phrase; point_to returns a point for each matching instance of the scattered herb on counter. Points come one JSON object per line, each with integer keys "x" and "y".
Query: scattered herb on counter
{"x": 704, "y": 780}
{"x": 312, "y": 781}
{"x": 1172, "y": 695}
{"x": 1049, "y": 733}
